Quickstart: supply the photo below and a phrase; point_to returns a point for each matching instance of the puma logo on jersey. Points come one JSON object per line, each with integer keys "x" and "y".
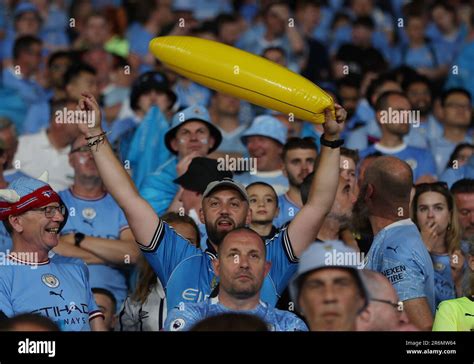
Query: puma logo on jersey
{"x": 60, "y": 294}
{"x": 394, "y": 249}
{"x": 85, "y": 221}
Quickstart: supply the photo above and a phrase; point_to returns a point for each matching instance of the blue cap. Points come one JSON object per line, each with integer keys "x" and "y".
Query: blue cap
{"x": 192, "y": 113}
{"x": 328, "y": 254}
{"x": 25, "y": 7}
{"x": 267, "y": 126}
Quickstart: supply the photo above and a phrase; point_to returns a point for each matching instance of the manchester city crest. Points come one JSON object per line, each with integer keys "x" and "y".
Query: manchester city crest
{"x": 50, "y": 280}
{"x": 89, "y": 213}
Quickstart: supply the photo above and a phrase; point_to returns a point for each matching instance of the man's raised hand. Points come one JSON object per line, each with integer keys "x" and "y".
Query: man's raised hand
{"x": 333, "y": 128}
{"x": 91, "y": 124}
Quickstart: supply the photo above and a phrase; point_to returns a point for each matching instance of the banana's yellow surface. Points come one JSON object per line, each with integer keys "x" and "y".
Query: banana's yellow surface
{"x": 243, "y": 75}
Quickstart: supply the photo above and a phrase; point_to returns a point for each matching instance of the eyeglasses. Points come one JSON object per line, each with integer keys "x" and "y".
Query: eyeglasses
{"x": 83, "y": 149}
{"x": 50, "y": 211}
{"x": 398, "y": 306}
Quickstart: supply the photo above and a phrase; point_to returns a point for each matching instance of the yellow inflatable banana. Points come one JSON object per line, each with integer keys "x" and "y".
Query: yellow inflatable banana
{"x": 243, "y": 75}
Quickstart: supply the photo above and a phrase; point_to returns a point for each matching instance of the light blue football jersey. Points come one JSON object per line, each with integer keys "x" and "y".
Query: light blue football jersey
{"x": 444, "y": 284}
{"x": 399, "y": 254}
{"x": 184, "y": 317}
{"x": 58, "y": 289}
{"x": 101, "y": 218}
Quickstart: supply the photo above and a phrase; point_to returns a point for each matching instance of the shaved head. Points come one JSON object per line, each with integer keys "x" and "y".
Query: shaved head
{"x": 250, "y": 235}
{"x": 391, "y": 179}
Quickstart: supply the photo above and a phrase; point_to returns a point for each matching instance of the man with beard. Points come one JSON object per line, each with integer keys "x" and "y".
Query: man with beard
{"x": 338, "y": 219}
{"x": 388, "y": 106}
{"x": 193, "y": 183}
{"x": 418, "y": 91}
{"x": 299, "y": 156}
{"x": 241, "y": 268}
{"x": 185, "y": 271}
{"x": 340, "y": 214}
{"x": 398, "y": 251}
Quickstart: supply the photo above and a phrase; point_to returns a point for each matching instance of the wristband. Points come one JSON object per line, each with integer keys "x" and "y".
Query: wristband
{"x": 78, "y": 238}
{"x": 331, "y": 144}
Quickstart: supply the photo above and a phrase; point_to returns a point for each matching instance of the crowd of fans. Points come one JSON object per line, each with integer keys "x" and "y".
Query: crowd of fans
{"x": 209, "y": 205}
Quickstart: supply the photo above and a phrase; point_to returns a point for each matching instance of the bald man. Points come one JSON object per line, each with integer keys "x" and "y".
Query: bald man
{"x": 241, "y": 266}
{"x": 398, "y": 251}
{"x": 385, "y": 311}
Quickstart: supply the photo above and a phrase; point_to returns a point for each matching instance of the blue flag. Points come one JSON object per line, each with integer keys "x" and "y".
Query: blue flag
{"x": 147, "y": 149}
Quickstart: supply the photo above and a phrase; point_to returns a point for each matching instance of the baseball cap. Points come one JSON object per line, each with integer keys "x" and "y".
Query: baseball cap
{"x": 267, "y": 126}
{"x": 192, "y": 113}
{"x": 328, "y": 254}
{"x": 149, "y": 81}
{"x": 201, "y": 172}
{"x": 226, "y": 182}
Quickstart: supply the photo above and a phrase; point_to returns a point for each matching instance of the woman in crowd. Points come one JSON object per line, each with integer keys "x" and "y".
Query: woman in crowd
{"x": 435, "y": 214}
{"x": 460, "y": 155}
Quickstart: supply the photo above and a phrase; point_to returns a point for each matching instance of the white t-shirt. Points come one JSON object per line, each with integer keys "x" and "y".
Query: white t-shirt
{"x": 35, "y": 155}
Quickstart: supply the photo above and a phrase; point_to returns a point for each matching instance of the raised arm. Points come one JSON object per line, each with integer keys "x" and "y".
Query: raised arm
{"x": 307, "y": 222}
{"x": 140, "y": 215}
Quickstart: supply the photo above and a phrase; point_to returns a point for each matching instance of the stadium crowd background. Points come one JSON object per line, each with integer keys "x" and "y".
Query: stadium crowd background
{"x": 414, "y": 56}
